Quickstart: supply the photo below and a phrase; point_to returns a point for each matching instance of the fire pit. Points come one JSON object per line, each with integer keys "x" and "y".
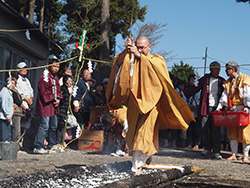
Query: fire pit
{"x": 108, "y": 175}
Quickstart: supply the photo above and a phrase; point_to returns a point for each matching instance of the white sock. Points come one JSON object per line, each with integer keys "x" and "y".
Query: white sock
{"x": 246, "y": 148}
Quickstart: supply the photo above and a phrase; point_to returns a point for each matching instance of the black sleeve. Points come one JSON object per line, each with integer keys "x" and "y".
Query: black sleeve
{"x": 16, "y": 99}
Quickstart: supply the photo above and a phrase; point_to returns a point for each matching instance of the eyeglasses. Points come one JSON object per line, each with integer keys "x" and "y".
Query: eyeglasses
{"x": 228, "y": 69}
{"x": 142, "y": 47}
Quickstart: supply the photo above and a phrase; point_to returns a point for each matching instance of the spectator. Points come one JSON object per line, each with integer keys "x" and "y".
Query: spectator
{"x": 105, "y": 83}
{"x": 194, "y": 129}
{"x": 47, "y": 107}
{"x": 19, "y": 112}
{"x": 66, "y": 71}
{"x": 83, "y": 98}
{"x": 211, "y": 87}
{"x": 181, "y": 135}
{"x": 99, "y": 95}
{"x": 63, "y": 106}
{"x": 92, "y": 84}
{"x": 6, "y": 109}
{"x": 23, "y": 86}
{"x": 167, "y": 135}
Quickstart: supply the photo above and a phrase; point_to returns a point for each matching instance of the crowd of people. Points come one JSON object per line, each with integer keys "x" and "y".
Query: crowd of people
{"x": 52, "y": 104}
{"x": 212, "y": 93}
{"x": 157, "y": 106}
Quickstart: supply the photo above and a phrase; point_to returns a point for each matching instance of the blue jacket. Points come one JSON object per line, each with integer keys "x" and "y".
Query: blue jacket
{"x": 6, "y": 103}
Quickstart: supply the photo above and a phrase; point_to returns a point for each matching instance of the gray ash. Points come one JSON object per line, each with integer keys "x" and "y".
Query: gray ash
{"x": 78, "y": 176}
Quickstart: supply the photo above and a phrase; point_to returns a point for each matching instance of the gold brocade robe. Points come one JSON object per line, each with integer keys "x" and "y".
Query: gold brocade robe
{"x": 152, "y": 103}
{"x": 241, "y": 134}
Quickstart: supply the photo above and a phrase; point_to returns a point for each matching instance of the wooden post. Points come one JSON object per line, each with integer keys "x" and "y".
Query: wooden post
{"x": 205, "y": 61}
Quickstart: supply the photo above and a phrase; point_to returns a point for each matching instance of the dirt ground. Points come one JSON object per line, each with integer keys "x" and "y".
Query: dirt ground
{"x": 217, "y": 173}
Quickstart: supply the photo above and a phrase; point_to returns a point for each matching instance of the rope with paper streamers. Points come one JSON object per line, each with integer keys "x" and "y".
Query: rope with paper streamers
{"x": 79, "y": 129}
{"x": 64, "y": 61}
{"x": 75, "y": 81}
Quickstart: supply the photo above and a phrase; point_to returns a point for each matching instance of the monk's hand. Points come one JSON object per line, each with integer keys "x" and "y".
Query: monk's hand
{"x": 128, "y": 41}
{"x": 133, "y": 49}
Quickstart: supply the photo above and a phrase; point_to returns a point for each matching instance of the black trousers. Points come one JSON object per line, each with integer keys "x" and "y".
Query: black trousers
{"x": 211, "y": 134}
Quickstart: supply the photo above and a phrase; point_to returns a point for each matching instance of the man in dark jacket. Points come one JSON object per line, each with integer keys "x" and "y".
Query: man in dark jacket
{"x": 83, "y": 97}
{"x": 47, "y": 107}
{"x": 211, "y": 90}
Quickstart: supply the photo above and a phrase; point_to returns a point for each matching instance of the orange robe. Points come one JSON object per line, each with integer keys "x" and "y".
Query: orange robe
{"x": 152, "y": 103}
{"x": 241, "y": 134}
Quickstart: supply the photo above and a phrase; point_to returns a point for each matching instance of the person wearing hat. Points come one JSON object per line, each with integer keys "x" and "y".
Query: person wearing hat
{"x": 24, "y": 88}
{"x": 211, "y": 88}
{"x": 47, "y": 108}
{"x": 236, "y": 96}
{"x": 6, "y": 109}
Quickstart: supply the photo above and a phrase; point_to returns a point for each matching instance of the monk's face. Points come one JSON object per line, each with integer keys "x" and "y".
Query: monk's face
{"x": 143, "y": 45}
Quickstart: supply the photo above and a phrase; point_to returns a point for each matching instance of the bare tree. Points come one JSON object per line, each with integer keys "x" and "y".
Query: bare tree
{"x": 154, "y": 31}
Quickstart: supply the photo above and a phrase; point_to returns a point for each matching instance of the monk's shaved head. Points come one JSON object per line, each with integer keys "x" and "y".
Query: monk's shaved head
{"x": 144, "y": 38}
{"x": 143, "y": 45}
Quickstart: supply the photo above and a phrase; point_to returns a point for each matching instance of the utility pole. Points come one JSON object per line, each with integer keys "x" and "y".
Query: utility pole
{"x": 205, "y": 61}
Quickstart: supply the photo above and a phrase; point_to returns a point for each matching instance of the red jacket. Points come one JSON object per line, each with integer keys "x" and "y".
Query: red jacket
{"x": 46, "y": 95}
{"x": 203, "y": 85}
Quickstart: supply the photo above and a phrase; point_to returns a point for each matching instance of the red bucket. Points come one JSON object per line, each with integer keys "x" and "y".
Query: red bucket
{"x": 230, "y": 118}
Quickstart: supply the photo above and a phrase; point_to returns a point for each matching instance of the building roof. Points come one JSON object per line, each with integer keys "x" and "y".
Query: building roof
{"x": 25, "y": 23}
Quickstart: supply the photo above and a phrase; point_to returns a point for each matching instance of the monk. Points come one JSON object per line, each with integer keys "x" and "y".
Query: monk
{"x": 152, "y": 102}
{"x": 236, "y": 98}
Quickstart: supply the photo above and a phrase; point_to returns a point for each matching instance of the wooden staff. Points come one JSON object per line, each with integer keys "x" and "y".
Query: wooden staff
{"x": 132, "y": 59}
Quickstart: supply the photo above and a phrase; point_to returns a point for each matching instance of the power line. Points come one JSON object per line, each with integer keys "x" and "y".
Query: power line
{"x": 217, "y": 60}
{"x": 242, "y": 65}
{"x": 186, "y": 58}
